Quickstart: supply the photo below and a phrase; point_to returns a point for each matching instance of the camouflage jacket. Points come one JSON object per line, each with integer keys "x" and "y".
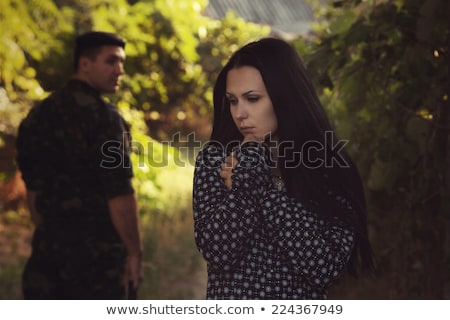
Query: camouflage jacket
{"x": 73, "y": 150}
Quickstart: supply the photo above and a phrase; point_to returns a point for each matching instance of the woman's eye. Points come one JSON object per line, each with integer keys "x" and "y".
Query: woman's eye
{"x": 253, "y": 99}
{"x": 232, "y": 101}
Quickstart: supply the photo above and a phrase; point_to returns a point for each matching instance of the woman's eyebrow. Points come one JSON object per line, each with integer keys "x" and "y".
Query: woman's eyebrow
{"x": 243, "y": 94}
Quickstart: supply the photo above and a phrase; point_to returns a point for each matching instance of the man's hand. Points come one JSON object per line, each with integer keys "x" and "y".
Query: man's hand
{"x": 125, "y": 218}
{"x": 133, "y": 271}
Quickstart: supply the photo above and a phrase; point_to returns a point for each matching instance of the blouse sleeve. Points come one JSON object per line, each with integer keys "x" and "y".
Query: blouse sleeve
{"x": 317, "y": 249}
{"x": 225, "y": 219}
{"x": 314, "y": 248}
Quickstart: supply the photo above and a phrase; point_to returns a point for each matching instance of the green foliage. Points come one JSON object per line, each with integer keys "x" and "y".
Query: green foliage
{"x": 382, "y": 70}
{"x": 385, "y": 79}
{"x": 25, "y": 25}
{"x": 221, "y": 39}
{"x": 173, "y": 56}
{"x": 167, "y": 88}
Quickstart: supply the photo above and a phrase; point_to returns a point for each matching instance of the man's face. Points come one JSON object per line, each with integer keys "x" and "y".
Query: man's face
{"x": 104, "y": 73}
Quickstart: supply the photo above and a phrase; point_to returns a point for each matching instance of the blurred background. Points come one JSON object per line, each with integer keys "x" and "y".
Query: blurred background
{"x": 380, "y": 67}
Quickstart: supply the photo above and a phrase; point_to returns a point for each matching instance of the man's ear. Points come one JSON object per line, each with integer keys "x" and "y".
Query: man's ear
{"x": 84, "y": 63}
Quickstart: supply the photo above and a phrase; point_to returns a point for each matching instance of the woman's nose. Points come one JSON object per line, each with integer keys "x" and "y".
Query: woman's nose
{"x": 241, "y": 112}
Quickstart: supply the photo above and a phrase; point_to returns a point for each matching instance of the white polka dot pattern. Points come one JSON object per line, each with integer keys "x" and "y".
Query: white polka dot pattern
{"x": 258, "y": 242}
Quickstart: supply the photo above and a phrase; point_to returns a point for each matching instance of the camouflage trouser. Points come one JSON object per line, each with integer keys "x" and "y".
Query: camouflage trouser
{"x": 69, "y": 270}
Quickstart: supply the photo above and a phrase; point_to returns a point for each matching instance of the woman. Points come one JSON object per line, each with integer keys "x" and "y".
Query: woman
{"x": 279, "y": 212}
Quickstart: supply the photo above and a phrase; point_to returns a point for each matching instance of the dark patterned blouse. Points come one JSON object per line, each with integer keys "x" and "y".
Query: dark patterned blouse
{"x": 258, "y": 242}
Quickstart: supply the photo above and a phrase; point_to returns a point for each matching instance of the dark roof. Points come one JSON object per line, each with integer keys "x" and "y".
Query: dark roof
{"x": 287, "y": 18}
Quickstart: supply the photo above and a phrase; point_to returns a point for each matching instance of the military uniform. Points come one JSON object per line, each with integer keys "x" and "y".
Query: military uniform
{"x": 73, "y": 150}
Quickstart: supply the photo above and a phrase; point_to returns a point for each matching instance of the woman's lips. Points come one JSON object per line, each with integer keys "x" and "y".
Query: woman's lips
{"x": 247, "y": 129}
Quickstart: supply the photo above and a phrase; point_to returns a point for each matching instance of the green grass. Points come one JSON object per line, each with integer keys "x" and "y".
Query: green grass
{"x": 173, "y": 268}
{"x": 10, "y": 280}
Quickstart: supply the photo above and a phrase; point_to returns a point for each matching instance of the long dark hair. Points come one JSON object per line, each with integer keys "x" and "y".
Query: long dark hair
{"x": 332, "y": 188}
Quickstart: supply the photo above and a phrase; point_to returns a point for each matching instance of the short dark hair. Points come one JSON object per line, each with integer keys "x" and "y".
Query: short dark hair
{"x": 89, "y": 43}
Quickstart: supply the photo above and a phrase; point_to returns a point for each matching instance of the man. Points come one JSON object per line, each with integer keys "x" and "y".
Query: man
{"x": 73, "y": 151}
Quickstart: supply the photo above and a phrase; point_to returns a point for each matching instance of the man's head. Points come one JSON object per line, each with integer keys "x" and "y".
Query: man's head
{"x": 99, "y": 58}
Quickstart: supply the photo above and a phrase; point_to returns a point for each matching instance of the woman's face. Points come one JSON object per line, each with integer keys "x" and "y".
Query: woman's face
{"x": 250, "y": 104}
